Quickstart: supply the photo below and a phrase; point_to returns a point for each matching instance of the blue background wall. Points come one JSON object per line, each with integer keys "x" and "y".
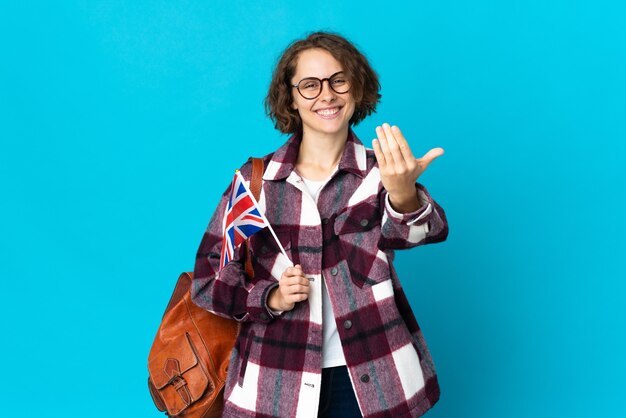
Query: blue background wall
{"x": 121, "y": 123}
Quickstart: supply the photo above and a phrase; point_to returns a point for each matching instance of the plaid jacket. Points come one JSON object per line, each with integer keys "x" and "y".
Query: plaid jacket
{"x": 347, "y": 239}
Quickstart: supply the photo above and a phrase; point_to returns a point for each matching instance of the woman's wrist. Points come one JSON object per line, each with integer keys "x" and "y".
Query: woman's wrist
{"x": 405, "y": 203}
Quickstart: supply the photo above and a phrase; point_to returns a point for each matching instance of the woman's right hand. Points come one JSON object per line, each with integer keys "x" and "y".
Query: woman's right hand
{"x": 292, "y": 287}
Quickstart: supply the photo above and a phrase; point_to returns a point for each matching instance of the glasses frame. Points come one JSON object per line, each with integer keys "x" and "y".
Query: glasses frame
{"x": 297, "y": 86}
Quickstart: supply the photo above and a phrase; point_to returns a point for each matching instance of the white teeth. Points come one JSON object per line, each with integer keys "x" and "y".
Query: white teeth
{"x": 328, "y": 112}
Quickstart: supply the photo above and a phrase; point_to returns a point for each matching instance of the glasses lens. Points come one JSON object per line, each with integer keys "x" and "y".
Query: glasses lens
{"x": 309, "y": 87}
{"x": 340, "y": 83}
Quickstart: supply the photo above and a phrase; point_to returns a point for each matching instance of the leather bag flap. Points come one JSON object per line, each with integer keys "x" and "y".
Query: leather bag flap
{"x": 176, "y": 358}
{"x": 178, "y": 375}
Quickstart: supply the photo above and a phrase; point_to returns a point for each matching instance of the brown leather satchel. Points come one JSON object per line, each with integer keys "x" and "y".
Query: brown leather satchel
{"x": 188, "y": 361}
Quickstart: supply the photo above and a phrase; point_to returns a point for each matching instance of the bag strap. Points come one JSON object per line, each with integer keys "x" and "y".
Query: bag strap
{"x": 255, "y": 188}
{"x": 257, "y": 177}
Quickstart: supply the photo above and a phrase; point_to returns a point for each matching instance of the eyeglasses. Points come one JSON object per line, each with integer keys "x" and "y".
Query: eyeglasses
{"x": 311, "y": 87}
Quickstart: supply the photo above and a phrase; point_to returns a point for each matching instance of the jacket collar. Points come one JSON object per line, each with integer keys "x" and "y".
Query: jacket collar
{"x": 283, "y": 162}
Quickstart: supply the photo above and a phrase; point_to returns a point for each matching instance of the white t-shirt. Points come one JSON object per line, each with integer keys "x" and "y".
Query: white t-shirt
{"x": 332, "y": 353}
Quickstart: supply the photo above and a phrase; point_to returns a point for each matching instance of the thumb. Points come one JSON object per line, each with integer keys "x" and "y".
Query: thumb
{"x": 430, "y": 156}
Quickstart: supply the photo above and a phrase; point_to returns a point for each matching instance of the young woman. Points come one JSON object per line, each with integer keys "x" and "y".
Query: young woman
{"x": 327, "y": 330}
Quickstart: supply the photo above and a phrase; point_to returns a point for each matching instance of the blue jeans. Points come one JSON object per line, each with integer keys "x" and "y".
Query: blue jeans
{"x": 337, "y": 399}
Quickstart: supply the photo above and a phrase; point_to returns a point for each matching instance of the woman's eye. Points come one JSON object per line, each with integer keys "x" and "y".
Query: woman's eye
{"x": 310, "y": 85}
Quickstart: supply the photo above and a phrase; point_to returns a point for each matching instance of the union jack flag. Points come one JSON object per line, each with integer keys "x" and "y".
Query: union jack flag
{"x": 242, "y": 219}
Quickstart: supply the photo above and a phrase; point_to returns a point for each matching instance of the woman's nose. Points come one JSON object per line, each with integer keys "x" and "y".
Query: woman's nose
{"x": 327, "y": 93}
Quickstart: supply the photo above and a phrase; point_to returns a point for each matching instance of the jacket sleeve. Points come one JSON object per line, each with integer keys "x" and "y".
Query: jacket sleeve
{"x": 229, "y": 292}
{"x": 426, "y": 225}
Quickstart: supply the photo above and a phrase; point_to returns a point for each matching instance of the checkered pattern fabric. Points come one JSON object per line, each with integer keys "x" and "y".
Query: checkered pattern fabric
{"x": 348, "y": 240}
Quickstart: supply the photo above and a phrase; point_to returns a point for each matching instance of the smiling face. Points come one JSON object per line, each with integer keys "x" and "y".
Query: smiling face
{"x": 330, "y": 112}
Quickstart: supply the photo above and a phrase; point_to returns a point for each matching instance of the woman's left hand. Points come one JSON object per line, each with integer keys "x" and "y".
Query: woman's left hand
{"x": 399, "y": 169}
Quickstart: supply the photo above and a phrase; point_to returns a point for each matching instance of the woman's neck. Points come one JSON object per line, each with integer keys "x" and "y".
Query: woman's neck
{"x": 319, "y": 154}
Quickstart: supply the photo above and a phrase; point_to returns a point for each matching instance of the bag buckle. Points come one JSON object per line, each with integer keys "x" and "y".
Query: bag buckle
{"x": 172, "y": 369}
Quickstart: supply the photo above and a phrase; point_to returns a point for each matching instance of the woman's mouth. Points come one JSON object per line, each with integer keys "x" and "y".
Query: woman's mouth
{"x": 328, "y": 113}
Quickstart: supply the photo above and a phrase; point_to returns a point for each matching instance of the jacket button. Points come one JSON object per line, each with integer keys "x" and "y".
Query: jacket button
{"x": 264, "y": 316}
{"x": 365, "y": 378}
{"x": 334, "y": 271}
{"x": 325, "y": 221}
{"x": 364, "y": 222}
{"x": 347, "y": 324}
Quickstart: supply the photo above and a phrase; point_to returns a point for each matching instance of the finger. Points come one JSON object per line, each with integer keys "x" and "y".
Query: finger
{"x": 299, "y": 288}
{"x": 384, "y": 146}
{"x": 294, "y": 281}
{"x": 378, "y": 152}
{"x": 430, "y": 156}
{"x": 297, "y": 297}
{"x": 294, "y": 271}
{"x": 299, "y": 281}
{"x": 297, "y": 270}
{"x": 294, "y": 289}
{"x": 403, "y": 144}
{"x": 394, "y": 148}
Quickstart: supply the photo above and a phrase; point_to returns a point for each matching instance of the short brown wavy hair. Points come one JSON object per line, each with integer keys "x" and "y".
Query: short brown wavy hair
{"x": 364, "y": 89}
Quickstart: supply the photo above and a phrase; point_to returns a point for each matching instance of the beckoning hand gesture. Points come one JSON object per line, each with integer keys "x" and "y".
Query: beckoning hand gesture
{"x": 399, "y": 169}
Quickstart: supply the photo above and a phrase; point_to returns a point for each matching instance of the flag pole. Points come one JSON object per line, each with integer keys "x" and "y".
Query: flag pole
{"x": 256, "y": 205}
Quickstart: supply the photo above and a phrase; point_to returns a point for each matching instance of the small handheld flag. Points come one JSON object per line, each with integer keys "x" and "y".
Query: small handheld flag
{"x": 242, "y": 219}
